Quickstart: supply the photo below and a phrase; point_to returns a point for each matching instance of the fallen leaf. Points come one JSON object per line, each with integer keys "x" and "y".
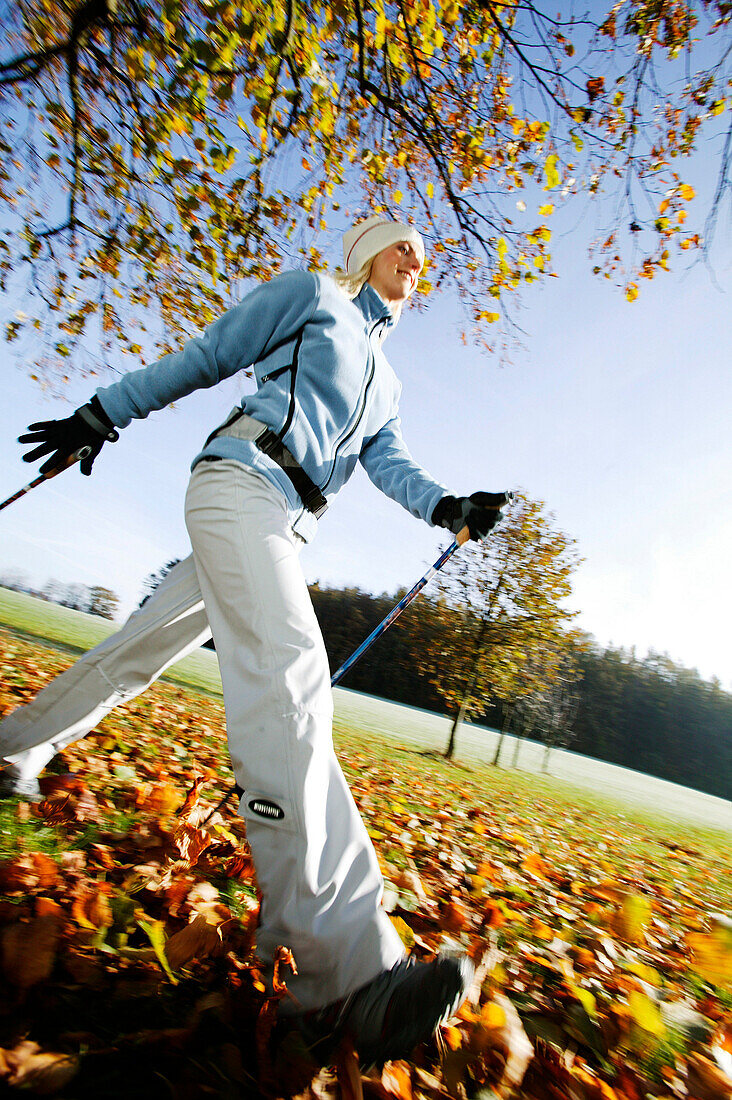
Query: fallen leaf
{"x": 454, "y": 918}
{"x": 406, "y": 935}
{"x": 29, "y": 950}
{"x": 590, "y": 1087}
{"x": 91, "y": 908}
{"x": 31, "y": 871}
{"x": 712, "y": 954}
{"x": 500, "y": 1031}
{"x": 197, "y": 940}
{"x": 349, "y": 1075}
{"x": 162, "y": 799}
{"x": 631, "y": 919}
{"x": 396, "y": 1080}
{"x": 706, "y": 1080}
{"x": 29, "y": 1068}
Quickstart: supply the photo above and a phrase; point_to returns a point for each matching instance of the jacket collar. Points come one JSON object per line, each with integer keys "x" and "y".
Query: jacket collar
{"x": 373, "y": 306}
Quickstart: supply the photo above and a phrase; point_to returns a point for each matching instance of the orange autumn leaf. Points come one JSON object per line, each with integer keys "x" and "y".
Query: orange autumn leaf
{"x": 396, "y": 1080}
{"x": 541, "y": 929}
{"x": 591, "y": 1087}
{"x": 31, "y": 871}
{"x": 197, "y": 940}
{"x": 494, "y": 915}
{"x": 28, "y": 950}
{"x": 454, "y": 917}
{"x": 190, "y": 842}
{"x": 162, "y": 800}
{"x": 452, "y": 1037}
{"x": 191, "y": 796}
{"x": 535, "y": 865}
{"x": 91, "y": 908}
{"x": 32, "y": 1070}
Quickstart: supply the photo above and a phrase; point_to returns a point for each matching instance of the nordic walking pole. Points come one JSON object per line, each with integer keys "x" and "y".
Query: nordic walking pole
{"x": 395, "y": 612}
{"x": 77, "y": 456}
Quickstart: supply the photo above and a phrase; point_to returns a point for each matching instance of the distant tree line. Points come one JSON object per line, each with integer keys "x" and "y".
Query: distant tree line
{"x": 648, "y": 714}
{"x": 491, "y": 639}
{"x": 93, "y": 599}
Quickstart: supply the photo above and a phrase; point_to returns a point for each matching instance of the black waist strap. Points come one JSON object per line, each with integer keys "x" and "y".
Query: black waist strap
{"x": 270, "y": 444}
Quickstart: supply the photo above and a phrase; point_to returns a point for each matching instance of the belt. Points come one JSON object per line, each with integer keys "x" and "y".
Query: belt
{"x": 269, "y": 443}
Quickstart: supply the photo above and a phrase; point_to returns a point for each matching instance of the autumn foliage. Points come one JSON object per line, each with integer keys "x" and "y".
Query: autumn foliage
{"x": 156, "y": 154}
{"x": 128, "y": 905}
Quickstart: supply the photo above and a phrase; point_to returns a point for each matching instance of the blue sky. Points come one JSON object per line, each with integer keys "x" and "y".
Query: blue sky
{"x": 617, "y": 415}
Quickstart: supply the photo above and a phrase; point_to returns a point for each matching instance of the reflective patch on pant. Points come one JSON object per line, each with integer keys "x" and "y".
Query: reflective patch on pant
{"x": 265, "y": 807}
{"x": 270, "y": 810}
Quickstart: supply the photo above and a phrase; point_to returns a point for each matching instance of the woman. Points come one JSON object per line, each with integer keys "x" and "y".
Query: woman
{"x": 326, "y": 399}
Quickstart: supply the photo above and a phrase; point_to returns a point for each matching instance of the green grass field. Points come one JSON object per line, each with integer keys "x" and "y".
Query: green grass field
{"x": 78, "y": 632}
{"x": 395, "y": 725}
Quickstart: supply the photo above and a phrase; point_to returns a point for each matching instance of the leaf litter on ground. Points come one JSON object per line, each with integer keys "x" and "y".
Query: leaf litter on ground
{"x": 128, "y": 909}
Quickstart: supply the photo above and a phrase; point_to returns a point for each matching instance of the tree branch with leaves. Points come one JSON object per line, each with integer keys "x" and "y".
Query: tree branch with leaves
{"x": 157, "y": 155}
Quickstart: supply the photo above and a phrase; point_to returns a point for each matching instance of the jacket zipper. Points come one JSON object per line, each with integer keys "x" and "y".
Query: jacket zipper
{"x": 276, "y": 373}
{"x": 359, "y": 416}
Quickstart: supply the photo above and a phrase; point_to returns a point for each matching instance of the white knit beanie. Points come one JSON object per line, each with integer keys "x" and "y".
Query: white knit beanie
{"x": 366, "y": 239}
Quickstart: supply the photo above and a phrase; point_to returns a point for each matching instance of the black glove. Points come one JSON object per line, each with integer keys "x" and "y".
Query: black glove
{"x": 88, "y": 427}
{"x": 480, "y": 511}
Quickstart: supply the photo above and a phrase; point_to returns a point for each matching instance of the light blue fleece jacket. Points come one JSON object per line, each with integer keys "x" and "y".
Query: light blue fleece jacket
{"x": 324, "y": 385}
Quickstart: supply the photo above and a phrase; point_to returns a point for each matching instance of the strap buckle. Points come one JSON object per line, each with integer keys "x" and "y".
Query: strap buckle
{"x": 270, "y": 444}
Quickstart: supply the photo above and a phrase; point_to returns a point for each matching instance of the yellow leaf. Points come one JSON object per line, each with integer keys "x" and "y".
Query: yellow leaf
{"x": 645, "y": 1013}
{"x": 405, "y": 933}
{"x": 635, "y": 910}
{"x": 541, "y": 930}
{"x": 712, "y": 953}
{"x": 718, "y": 107}
{"x": 397, "y": 196}
{"x": 586, "y": 999}
{"x": 687, "y": 192}
{"x": 551, "y": 173}
{"x": 430, "y": 190}
{"x": 546, "y": 209}
{"x": 492, "y": 1015}
{"x": 631, "y": 292}
{"x": 645, "y": 973}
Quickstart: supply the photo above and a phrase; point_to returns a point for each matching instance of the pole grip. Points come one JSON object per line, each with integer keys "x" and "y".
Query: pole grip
{"x": 462, "y": 536}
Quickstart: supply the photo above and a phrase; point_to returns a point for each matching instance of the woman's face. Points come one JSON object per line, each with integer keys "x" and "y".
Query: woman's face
{"x": 394, "y": 272}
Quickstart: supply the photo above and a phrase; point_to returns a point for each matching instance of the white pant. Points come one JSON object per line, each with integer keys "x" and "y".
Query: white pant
{"x": 315, "y": 864}
{"x": 169, "y": 625}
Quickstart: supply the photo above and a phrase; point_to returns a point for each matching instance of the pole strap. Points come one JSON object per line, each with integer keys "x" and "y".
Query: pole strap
{"x": 87, "y": 414}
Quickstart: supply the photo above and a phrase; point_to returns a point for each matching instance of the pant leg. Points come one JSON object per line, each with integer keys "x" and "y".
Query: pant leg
{"x": 316, "y": 867}
{"x": 169, "y": 625}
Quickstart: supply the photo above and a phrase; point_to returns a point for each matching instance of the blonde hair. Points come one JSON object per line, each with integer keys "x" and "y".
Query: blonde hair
{"x": 352, "y": 285}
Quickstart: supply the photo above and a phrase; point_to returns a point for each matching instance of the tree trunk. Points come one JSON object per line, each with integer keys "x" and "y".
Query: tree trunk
{"x": 508, "y": 716}
{"x": 525, "y": 732}
{"x": 465, "y": 702}
{"x": 450, "y": 750}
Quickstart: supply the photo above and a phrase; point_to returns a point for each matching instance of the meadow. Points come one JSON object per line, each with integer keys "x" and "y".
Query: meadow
{"x": 128, "y": 904}
{"x": 363, "y": 714}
